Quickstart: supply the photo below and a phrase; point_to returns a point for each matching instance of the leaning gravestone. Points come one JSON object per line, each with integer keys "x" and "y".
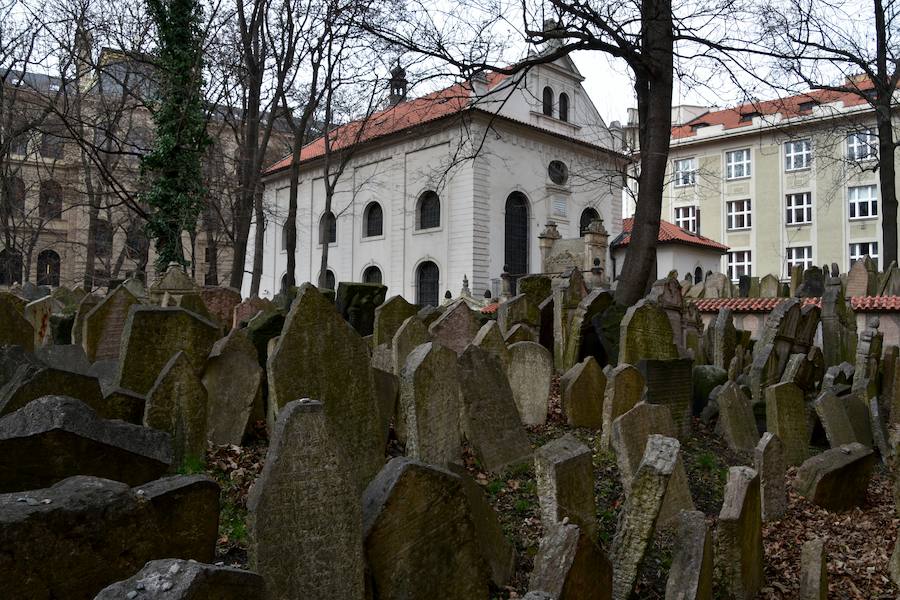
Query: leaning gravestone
{"x": 671, "y": 382}
{"x": 645, "y": 333}
{"x": 491, "y": 339}
{"x": 14, "y": 328}
{"x": 837, "y": 479}
{"x": 786, "y": 418}
{"x": 320, "y": 356}
{"x": 305, "y": 516}
{"x": 839, "y": 337}
{"x": 177, "y": 404}
{"x": 769, "y": 287}
{"x": 768, "y": 459}
{"x": 721, "y": 339}
{"x": 176, "y": 579}
{"x": 518, "y": 309}
{"x": 389, "y": 316}
{"x": 411, "y": 334}
{"x": 456, "y": 328}
{"x": 33, "y": 380}
{"x": 570, "y": 566}
{"x": 152, "y": 335}
{"x": 356, "y": 302}
{"x": 420, "y": 542}
{"x": 582, "y": 339}
{"x": 429, "y": 404}
{"x": 565, "y": 474}
{"x": 624, "y": 389}
{"x": 858, "y": 280}
{"x": 581, "y": 394}
{"x": 66, "y": 357}
{"x": 490, "y": 420}
{"x": 56, "y": 437}
{"x": 233, "y": 382}
{"x": 101, "y": 335}
{"x": 832, "y": 412}
{"x": 739, "y": 547}
{"x": 530, "y": 371}
{"x": 220, "y": 301}
{"x": 736, "y": 421}
{"x": 249, "y": 308}
{"x": 38, "y": 313}
{"x": 813, "y": 571}
{"x": 691, "y": 573}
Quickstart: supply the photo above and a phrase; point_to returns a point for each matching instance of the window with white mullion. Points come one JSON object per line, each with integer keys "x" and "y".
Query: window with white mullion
{"x": 738, "y": 214}
{"x": 686, "y": 218}
{"x": 740, "y": 262}
{"x": 863, "y": 201}
{"x": 798, "y": 209}
{"x": 859, "y": 250}
{"x": 685, "y": 172}
{"x": 799, "y": 256}
{"x": 737, "y": 164}
{"x": 797, "y": 155}
{"x": 862, "y": 144}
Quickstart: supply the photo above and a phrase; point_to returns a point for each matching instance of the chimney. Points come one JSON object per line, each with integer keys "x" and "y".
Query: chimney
{"x": 398, "y": 85}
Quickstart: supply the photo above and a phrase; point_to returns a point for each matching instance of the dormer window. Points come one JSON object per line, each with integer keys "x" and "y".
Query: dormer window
{"x": 808, "y": 105}
{"x": 548, "y": 101}
{"x": 563, "y": 107}
{"x": 699, "y": 125}
{"x": 747, "y": 117}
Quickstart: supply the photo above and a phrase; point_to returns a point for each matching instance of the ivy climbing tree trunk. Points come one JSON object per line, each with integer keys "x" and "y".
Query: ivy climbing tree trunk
{"x": 175, "y": 194}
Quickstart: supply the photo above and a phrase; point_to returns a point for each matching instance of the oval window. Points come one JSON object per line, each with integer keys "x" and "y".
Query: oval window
{"x": 558, "y": 172}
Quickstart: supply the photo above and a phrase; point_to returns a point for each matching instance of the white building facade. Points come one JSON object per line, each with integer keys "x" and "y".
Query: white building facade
{"x": 457, "y": 183}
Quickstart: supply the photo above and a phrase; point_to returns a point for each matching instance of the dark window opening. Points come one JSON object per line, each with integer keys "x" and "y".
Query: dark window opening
{"x": 548, "y": 101}
{"x": 373, "y": 219}
{"x": 372, "y": 275}
{"x": 427, "y": 276}
{"x": 10, "y": 267}
{"x": 429, "y": 210}
{"x": 516, "y": 234}
{"x": 698, "y": 275}
{"x": 48, "y": 268}
{"x": 563, "y": 107}
{"x": 588, "y": 216}
{"x": 14, "y": 196}
{"x": 328, "y": 229}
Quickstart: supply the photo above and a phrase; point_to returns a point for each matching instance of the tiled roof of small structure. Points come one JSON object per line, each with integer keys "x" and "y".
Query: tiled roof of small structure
{"x": 858, "y": 303}
{"x": 490, "y": 308}
{"x": 669, "y": 233}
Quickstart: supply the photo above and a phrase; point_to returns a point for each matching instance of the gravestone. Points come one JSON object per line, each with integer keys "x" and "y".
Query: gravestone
{"x": 642, "y": 508}
{"x": 387, "y": 393}
{"x": 491, "y": 339}
{"x": 249, "y": 308}
{"x": 411, "y": 334}
{"x": 868, "y": 357}
{"x": 174, "y": 282}
{"x": 66, "y": 357}
{"x": 666, "y": 293}
{"x": 233, "y": 382}
{"x": 56, "y": 437}
{"x": 671, "y": 382}
{"x": 320, "y": 356}
{"x": 736, "y": 421}
{"x": 38, "y": 313}
{"x": 176, "y": 579}
{"x": 813, "y": 571}
{"x": 706, "y": 378}
{"x": 581, "y": 394}
{"x": 356, "y": 302}
{"x": 32, "y": 380}
{"x": 582, "y": 339}
{"x": 858, "y": 280}
{"x": 520, "y": 332}
{"x": 624, "y": 389}
{"x": 880, "y": 435}
{"x": 739, "y": 546}
{"x": 786, "y": 418}
{"x": 389, "y": 316}
{"x": 837, "y": 479}
{"x": 839, "y": 337}
{"x": 517, "y": 310}
{"x": 645, "y": 333}
{"x": 813, "y": 283}
{"x": 14, "y": 328}
{"x": 568, "y": 291}
{"x": 490, "y": 420}
{"x": 832, "y": 412}
{"x": 564, "y": 472}
{"x": 221, "y": 301}
{"x": 456, "y": 328}
{"x": 769, "y": 287}
{"x": 530, "y": 372}
{"x": 570, "y": 566}
{"x": 193, "y": 302}
{"x": 152, "y": 335}
{"x": 721, "y": 339}
{"x": 772, "y": 351}
{"x": 768, "y": 460}
{"x": 536, "y": 288}
{"x": 691, "y": 573}
{"x": 420, "y": 542}
{"x": 177, "y": 404}
{"x": 84, "y": 307}
{"x": 305, "y": 521}
{"x": 429, "y": 405}
{"x": 716, "y": 285}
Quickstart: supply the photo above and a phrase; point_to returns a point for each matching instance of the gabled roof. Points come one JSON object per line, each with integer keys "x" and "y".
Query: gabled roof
{"x": 858, "y": 303}
{"x": 669, "y": 233}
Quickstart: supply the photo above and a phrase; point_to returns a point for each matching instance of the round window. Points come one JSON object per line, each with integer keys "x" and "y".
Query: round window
{"x": 558, "y": 172}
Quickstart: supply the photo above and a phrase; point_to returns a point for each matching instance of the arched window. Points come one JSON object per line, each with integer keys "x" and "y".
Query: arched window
{"x": 698, "y": 275}
{"x": 328, "y": 229}
{"x": 283, "y": 287}
{"x": 373, "y": 220}
{"x": 372, "y": 275}
{"x": 103, "y": 239}
{"x": 14, "y": 195}
{"x": 329, "y": 279}
{"x": 588, "y": 215}
{"x": 563, "y": 107}
{"x": 548, "y": 101}
{"x": 429, "y": 211}
{"x": 48, "y": 268}
{"x": 427, "y": 280}
{"x": 516, "y": 234}
{"x": 50, "y": 206}
{"x": 10, "y": 267}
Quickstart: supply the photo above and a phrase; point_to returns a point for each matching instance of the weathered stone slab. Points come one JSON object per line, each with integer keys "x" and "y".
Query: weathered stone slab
{"x": 581, "y": 394}
{"x": 490, "y": 420}
{"x": 33, "y": 380}
{"x": 15, "y": 329}
{"x": 249, "y": 308}
{"x": 411, "y": 334}
{"x": 150, "y": 338}
{"x": 387, "y": 393}
{"x": 306, "y": 536}
{"x": 736, "y": 424}
{"x": 194, "y": 303}
{"x": 176, "y": 579}
{"x": 102, "y": 328}
{"x": 639, "y": 515}
{"x": 177, "y": 404}
{"x": 582, "y": 339}
{"x": 456, "y": 327}
{"x": 419, "y": 538}
{"x": 56, "y": 437}
{"x": 721, "y": 339}
{"x": 691, "y": 573}
{"x": 857, "y": 407}
{"x": 786, "y": 418}
{"x": 768, "y": 459}
{"x": 813, "y": 571}
{"x": 519, "y": 309}
{"x": 839, "y": 337}
{"x": 565, "y": 476}
{"x": 832, "y": 412}
{"x": 389, "y": 316}
{"x": 880, "y": 435}
{"x": 233, "y": 382}
{"x": 706, "y": 378}
{"x": 221, "y": 301}
{"x": 645, "y": 333}
{"x": 50, "y": 553}
{"x": 520, "y": 332}
{"x": 66, "y": 357}
{"x": 624, "y": 389}
{"x": 491, "y": 339}
{"x": 671, "y": 382}
{"x": 837, "y": 479}
{"x": 530, "y": 371}
{"x": 38, "y": 313}
{"x": 739, "y": 549}
{"x": 430, "y": 405}
{"x": 320, "y": 356}
{"x": 570, "y": 566}
{"x": 174, "y": 281}
{"x": 356, "y": 302}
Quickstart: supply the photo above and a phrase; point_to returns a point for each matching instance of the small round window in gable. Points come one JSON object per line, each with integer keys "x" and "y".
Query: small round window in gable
{"x": 558, "y": 172}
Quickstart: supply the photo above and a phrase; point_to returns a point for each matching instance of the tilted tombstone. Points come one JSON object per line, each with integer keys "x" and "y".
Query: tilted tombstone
{"x": 85, "y": 305}
{"x": 813, "y": 571}
{"x": 536, "y": 287}
{"x": 667, "y": 294}
{"x": 31, "y": 380}
{"x": 768, "y": 460}
{"x": 490, "y": 420}
{"x": 856, "y": 406}
{"x": 772, "y": 351}
{"x": 38, "y": 313}
{"x": 518, "y": 309}
{"x": 520, "y": 332}
{"x": 581, "y": 394}
{"x": 411, "y": 334}
{"x": 691, "y": 573}
{"x": 769, "y": 286}
{"x": 456, "y": 327}
{"x": 319, "y": 355}
{"x": 420, "y": 542}
{"x": 671, "y": 382}
{"x": 868, "y": 357}
{"x": 624, "y": 389}
{"x": 490, "y": 338}
{"x": 645, "y": 333}
{"x": 176, "y": 579}
{"x": 716, "y": 285}
{"x": 305, "y": 521}
{"x": 565, "y": 473}
{"x": 837, "y": 479}
{"x": 429, "y": 404}
{"x": 739, "y": 546}
{"x": 356, "y": 302}
{"x": 220, "y": 301}
{"x": 530, "y": 372}
{"x": 233, "y": 382}
{"x": 721, "y": 339}
{"x": 736, "y": 421}
{"x": 66, "y": 357}
{"x": 581, "y": 339}
{"x": 692, "y": 323}
{"x": 570, "y": 566}
{"x": 840, "y": 427}
{"x": 249, "y": 308}
{"x": 858, "y": 280}
{"x": 15, "y": 329}
{"x": 880, "y": 434}
{"x": 839, "y": 337}
{"x": 786, "y": 418}
{"x": 102, "y": 327}
{"x": 568, "y": 291}
{"x": 389, "y": 316}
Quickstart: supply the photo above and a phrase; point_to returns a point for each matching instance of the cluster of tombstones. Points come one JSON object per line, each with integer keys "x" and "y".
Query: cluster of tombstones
{"x": 104, "y": 399}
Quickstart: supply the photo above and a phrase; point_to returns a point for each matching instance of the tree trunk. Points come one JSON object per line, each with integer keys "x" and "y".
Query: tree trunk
{"x": 242, "y": 216}
{"x": 259, "y": 240}
{"x": 886, "y": 171}
{"x": 653, "y": 87}
{"x": 290, "y": 224}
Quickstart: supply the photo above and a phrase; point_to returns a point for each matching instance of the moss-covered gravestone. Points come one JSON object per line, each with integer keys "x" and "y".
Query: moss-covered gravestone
{"x": 14, "y": 328}
{"x": 389, "y": 316}
{"x": 356, "y": 302}
{"x": 456, "y": 327}
{"x": 233, "y": 381}
{"x": 646, "y": 333}
{"x": 102, "y": 327}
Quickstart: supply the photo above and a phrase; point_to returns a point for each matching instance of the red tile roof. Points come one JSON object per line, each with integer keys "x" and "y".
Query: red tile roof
{"x": 860, "y": 303}
{"x": 669, "y": 233}
{"x": 792, "y": 106}
{"x": 490, "y": 308}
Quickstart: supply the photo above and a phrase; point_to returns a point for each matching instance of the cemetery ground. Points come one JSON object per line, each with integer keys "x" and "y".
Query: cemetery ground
{"x": 858, "y": 541}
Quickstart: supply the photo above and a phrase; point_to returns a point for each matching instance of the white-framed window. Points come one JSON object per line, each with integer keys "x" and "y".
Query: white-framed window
{"x": 797, "y": 155}
{"x": 738, "y": 214}
{"x": 799, "y": 256}
{"x": 685, "y": 172}
{"x": 862, "y": 144}
{"x": 798, "y": 209}
{"x": 860, "y": 249}
{"x": 863, "y": 201}
{"x": 737, "y": 164}
{"x": 686, "y": 218}
{"x": 740, "y": 262}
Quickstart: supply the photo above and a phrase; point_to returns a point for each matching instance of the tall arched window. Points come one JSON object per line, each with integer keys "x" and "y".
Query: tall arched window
{"x": 50, "y": 206}
{"x": 328, "y": 229}
{"x": 372, "y": 275}
{"x": 373, "y": 220}
{"x": 329, "y": 279}
{"x": 14, "y": 195}
{"x": 698, "y": 275}
{"x": 548, "y": 101}
{"x": 587, "y": 216}
{"x": 103, "y": 239}
{"x": 428, "y": 214}
{"x": 48, "y": 268}
{"x": 563, "y": 107}
{"x": 427, "y": 281}
{"x": 516, "y": 234}
{"x": 10, "y": 267}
